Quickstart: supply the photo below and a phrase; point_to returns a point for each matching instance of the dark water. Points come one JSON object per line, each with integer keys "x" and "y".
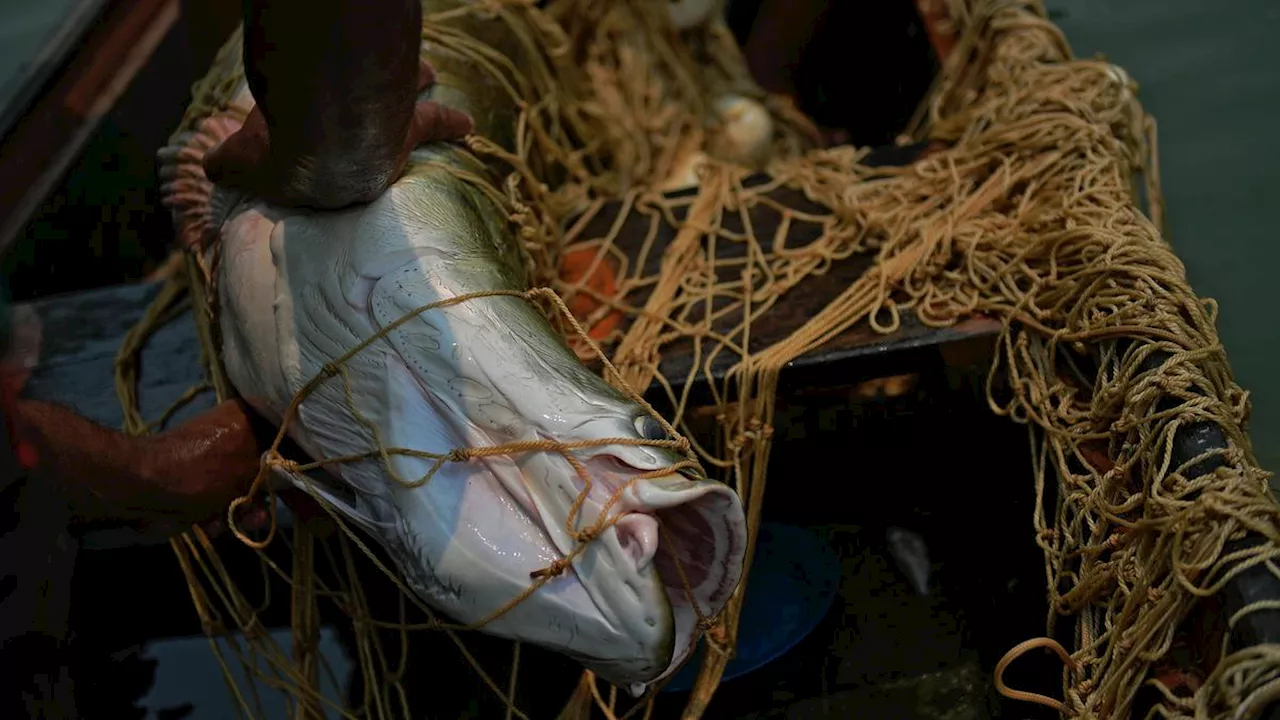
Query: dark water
{"x": 1207, "y": 71}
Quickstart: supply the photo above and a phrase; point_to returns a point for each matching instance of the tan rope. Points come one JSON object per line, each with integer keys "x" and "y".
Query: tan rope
{"x": 997, "y": 677}
{"x": 1028, "y": 214}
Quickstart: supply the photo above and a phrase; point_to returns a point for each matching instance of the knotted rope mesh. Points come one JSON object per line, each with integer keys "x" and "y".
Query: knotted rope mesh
{"x": 1028, "y": 211}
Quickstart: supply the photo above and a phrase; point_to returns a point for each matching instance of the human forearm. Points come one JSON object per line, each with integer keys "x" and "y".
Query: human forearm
{"x": 185, "y": 475}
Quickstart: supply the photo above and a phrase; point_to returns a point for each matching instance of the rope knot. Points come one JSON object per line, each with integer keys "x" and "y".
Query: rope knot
{"x": 254, "y": 629}
{"x": 719, "y": 645}
{"x": 555, "y": 569}
{"x": 458, "y": 455}
{"x": 716, "y": 636}
{"x": 285, "y": 464}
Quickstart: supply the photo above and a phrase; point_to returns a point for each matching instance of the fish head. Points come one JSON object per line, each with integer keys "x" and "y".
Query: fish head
{"x": 584, "y": 526}
{"x": 536, "y": 501}
{"x": 521, "y": 493}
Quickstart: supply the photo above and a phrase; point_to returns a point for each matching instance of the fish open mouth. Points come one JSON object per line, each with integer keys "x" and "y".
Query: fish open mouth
{"x": 699, "y": 559}
{"x": 686, "y": 557}
{"x": 666, "y": 555}
{"x": 680, "y": 536}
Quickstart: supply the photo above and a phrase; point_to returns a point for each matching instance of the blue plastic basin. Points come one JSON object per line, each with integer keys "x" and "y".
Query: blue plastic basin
{"x": 792, "y": 585}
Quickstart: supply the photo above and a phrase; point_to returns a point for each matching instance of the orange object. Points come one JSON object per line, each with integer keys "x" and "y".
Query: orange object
{"x": 603, "y": 283}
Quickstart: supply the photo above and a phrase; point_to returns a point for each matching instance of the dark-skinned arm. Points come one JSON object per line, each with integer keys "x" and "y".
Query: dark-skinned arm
{"x": 186, "y": 475}
{"x": 335, "y": 84}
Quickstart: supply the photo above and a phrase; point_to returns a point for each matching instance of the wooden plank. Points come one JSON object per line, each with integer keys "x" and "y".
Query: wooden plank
{"x": 795, "y": 308}
{"x": 59, "y": 42}
{"x": 44, "y": 143}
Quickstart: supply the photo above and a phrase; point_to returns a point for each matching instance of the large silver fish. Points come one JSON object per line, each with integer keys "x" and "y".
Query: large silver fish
{"x": 299, "y": 288}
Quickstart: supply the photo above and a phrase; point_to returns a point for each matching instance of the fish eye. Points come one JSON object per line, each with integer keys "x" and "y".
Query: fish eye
{"x": 650, "y": 429}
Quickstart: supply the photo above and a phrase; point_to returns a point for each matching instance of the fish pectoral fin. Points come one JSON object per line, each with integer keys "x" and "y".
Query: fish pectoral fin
{"x": 335, "y": 495}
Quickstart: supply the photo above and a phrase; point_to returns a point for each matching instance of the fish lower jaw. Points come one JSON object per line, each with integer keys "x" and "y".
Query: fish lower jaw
{"x": 694, "y": 570}
{"x": 632, "y": 598}
{"x": 669, "y": 556}
{"x": 701, "y": 558}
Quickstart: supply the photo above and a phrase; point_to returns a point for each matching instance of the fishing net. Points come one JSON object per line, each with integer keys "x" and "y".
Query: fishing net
{"x": 1027, "y": 210}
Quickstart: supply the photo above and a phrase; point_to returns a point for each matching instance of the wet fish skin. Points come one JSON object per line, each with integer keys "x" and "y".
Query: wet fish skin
{"x": 299, "y": 288}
